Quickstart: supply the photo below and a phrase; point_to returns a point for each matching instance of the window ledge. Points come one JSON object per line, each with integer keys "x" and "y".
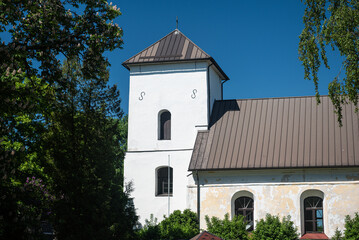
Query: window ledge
{"x": 164, "y": 195}
{"x": 314, "y": 236}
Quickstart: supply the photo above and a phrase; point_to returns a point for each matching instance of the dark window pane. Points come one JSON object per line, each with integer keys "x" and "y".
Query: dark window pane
{"x": 165, "y": 126}
{"x": 309, "y": 227}
{"x": 313, "y": 214}
{"x": 244, "y": 207}
{"x": 162, "y": 181}
{"x": 308, "y": 215}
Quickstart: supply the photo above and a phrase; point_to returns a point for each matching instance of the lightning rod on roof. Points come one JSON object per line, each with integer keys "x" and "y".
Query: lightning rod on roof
{"x": 176, "y": 22}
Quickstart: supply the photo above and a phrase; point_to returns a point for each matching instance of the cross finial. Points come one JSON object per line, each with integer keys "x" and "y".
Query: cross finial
{"x": 177, "y": 22}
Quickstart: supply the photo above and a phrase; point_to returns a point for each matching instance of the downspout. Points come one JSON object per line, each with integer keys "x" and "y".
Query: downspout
{"x": 222, "y": 87}
{"x": 198, "y": 201}
{"x": 208, "y": 95}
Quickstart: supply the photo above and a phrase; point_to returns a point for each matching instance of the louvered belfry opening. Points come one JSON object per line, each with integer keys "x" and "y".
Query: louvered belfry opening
{"x": 165, "y": 126}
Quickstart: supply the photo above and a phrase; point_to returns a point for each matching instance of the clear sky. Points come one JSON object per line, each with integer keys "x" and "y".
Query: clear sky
{"x": 254, "y": 42}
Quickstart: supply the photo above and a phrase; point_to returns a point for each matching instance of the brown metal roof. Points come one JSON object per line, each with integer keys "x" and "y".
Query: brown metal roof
{"x": 290, "y": 132}
{"x": 172, "y": 48}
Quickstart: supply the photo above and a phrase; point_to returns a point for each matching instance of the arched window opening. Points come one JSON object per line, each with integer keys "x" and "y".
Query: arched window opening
{"x": 165, "y": 126}
{"x": 164, "y": 181}
{"x": 244, "y": 206}
{"x": 313, "y": 214}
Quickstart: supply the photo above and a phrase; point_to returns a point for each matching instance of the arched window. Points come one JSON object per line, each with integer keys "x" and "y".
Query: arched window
{"x": 244, "y": 206}
{"x": 164, "y": 181}
{"x": 313, "y": 215}
{"x": 164, "y": 125}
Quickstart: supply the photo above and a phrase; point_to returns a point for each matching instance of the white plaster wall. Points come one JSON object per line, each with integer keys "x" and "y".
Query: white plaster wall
{"x": 168, "y": 87}
{"x": 215, "y": 87}
{"x": 278, "y": 192}
{"x": 140, "y": 168}
{"x": 180, "y": 88}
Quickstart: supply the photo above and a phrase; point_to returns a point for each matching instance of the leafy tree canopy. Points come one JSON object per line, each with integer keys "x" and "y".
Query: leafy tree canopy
{"x": 332, "y": 23}
{"x": 47, "y": 107}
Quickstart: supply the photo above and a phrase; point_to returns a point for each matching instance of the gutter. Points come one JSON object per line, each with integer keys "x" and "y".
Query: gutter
{"x": 223, "y": 82}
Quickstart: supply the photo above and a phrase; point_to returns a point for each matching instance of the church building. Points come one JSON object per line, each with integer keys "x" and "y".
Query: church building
{"x": 190, "y": 148}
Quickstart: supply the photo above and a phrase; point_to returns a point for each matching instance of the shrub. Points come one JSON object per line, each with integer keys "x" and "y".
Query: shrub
{"x": 337, "y": 235}
{"x": 273, "y": 228}
{"x": 150, "y": 231}
{"x": 227, "y": 229}
{"x": 179, "y": 225}
{"x": 351, "y": 231}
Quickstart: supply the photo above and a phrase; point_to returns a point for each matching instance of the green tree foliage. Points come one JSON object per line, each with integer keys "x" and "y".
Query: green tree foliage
{"x": 272, "y": 228}
{"x": 179, "y": 225}
{"x": 351, "y": 231}
{"x": 84, "y": 144}
{"x": 37, "y": 113}
{"x": 332, "y": 23}
{"x": 337, "y": 235}
{"x": 22, "y": 205}
{"x": 227, "y": 229}
{"x": 150, "y": 231}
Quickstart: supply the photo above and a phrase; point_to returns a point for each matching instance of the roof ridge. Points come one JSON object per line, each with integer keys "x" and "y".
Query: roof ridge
{"x": 152, "y": 45}
{"x": 173, "y": 47}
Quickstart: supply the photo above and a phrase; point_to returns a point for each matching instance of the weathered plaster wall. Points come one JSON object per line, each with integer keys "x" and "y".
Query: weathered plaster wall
{"x": 279, "y": 192}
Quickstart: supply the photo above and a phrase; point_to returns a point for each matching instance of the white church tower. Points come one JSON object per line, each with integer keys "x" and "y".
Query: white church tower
{"x": 173, "y": 85}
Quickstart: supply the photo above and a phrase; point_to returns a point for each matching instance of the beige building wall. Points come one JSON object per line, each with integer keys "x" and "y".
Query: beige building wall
{"x": 280, "y": 192}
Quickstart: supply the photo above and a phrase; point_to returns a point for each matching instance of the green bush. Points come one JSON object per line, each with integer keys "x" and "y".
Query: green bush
{"x": 337, "y": 235}
{"x": 272, "y": 228}
{"x": 179, "y": 225}
{"x": 227, "y": 229}
{"x": 150, "y": 231}
{"x": 351, "y": 231}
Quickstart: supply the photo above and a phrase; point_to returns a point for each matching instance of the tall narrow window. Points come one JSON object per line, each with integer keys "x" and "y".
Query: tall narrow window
{"x": 164, "y": 181}
{"x": 244, "y": 206}
{"x": 313, "y": 214}
{"x": 165, "y": 126}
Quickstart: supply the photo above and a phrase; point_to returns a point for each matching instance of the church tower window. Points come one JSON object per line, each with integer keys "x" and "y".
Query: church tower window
{"x": 164, "y": 125}
{"x": 164, "y": 182}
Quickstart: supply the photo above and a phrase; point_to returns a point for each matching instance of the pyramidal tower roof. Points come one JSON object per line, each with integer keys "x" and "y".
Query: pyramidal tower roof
{"x": 173, "y": 47}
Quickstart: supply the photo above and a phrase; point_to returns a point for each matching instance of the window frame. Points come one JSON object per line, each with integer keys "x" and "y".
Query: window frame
{"x": 304, "y": 195}
{"x": 164, "y": 125}
{"x": 248, "y": 212}
{"x": 244, "y": 193}
{"x": 160, "y": 191}
{"x": 314, "y": 219}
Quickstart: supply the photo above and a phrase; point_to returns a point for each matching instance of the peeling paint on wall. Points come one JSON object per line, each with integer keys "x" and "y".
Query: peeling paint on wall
{"x": 282, "y": 196}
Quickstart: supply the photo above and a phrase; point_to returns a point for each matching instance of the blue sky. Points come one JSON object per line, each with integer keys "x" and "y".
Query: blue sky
{"x": 254, "y": 42}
